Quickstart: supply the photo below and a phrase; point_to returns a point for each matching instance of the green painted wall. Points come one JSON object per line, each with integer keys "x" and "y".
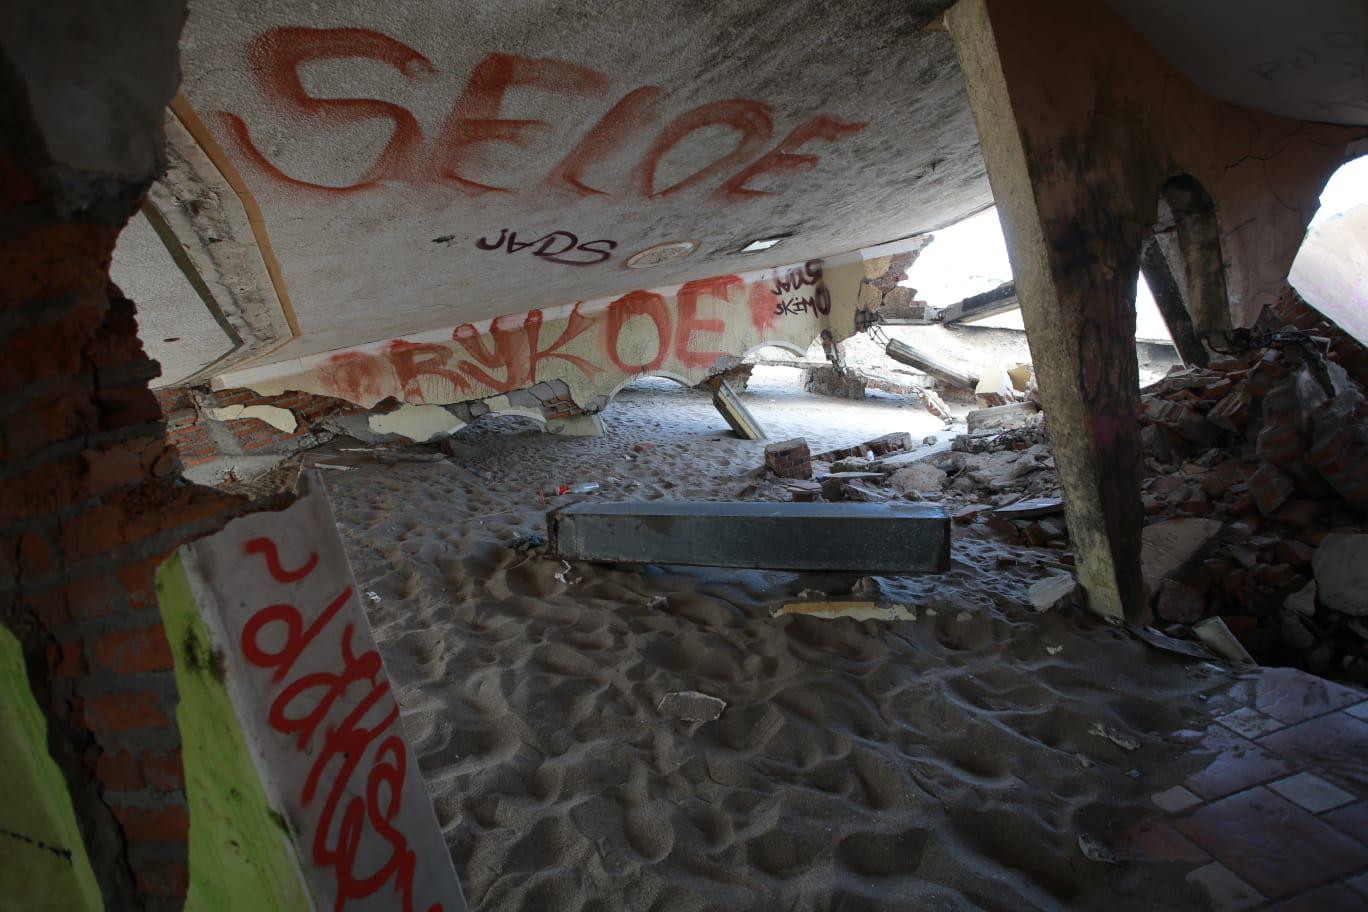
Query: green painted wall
{"x": 43, "y": 862}
{"x": 241, "y": 853}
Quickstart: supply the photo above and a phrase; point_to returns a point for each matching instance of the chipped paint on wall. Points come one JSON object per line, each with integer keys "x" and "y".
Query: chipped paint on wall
{"x": 278, "y": 418}
{"x": 418, "y": 423}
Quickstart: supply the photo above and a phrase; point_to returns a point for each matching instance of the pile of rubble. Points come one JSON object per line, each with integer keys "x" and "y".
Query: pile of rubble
{"x": 1255, "y": 492}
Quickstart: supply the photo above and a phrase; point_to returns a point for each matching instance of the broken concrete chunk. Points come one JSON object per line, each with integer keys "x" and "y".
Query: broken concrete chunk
{"x": 1031, "y": 508}
{"x": 1002, "y": 417}
{"x": 1053, "y": 593}
{"x": 1303, "y": 601}
{"x": 1215, "y": 633}
{"x": 917, "y": 478}
{"x": 690, "y": 706}
{"x": 1341, "y": 570}
{"x": 1167, "y": 547}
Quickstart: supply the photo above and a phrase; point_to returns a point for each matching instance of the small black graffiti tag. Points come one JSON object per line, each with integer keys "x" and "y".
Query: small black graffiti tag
{"x": 793, "y": 282}
{"x": 561, "y": 247}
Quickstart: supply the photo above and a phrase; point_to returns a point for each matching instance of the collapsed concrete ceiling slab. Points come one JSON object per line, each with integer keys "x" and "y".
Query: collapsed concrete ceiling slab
{"x": 415, "y": 166}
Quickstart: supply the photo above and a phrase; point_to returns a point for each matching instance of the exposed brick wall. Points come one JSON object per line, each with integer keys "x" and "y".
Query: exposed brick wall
{"x": 91, "y": 499}
{"x": 200, "y": 439}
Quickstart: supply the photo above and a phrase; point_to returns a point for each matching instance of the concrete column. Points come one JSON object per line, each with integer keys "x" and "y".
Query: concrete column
{"x": 1076, "y": 264}
{"x": 1082, "y": 125}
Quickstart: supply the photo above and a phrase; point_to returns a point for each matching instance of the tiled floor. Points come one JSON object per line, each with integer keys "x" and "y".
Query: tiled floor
{"x": 1278, "y": 819}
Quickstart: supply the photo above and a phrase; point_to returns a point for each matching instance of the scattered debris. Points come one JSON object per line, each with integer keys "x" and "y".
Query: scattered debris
{"x": 690, "y": 706}
{"x": 529, "y": 541}
{"x": 1120, "y": 739}
{"x": 1095, "y": 851}
{"x": 1003, "y": 417}
{"x": 789, "y": 458}
{"x": 374, "y": 597}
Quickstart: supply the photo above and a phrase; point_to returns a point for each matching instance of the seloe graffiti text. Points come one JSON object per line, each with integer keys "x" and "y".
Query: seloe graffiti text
{"x": 451, "y": 155}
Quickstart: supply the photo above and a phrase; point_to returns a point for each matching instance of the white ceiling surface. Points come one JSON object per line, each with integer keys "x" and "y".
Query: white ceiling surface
{"x": 176, "y": 328}
{"x": 367, "y": 265}
{"x": 1307, "y": 60}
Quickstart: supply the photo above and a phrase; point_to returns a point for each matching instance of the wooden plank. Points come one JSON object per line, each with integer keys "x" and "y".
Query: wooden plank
{"x": 854, "y": 537}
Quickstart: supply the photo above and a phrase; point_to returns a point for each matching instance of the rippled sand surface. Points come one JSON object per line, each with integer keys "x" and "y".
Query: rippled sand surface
{"x": 951, "y": 761}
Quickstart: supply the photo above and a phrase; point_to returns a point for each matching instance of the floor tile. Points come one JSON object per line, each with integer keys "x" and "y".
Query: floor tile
{"x": 1330, "y": 898}
{"x": 1352, "y": 820}
{"x": 1311, "y": 793}
{"x": 1272, "y": 844}
{"x": 1228, "y": 893}
{"x": 1152, "y": 839}
{"x": 1291, "y": 695}
{"x": 1250, "y": 722}
{"x": 1237, "y": 764}
{"x": 1335, "y": 746}
{"x": 1175, "y": 799}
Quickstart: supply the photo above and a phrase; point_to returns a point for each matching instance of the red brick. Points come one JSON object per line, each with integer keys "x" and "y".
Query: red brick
{"x": 122, "y": 407}
{"x": 44, "y": 489}
{"x": 165, "y": 824}
{"x": 118, "y": 770}
{"x": 92, "y": 597}
{"x": 164, "y": 772}
{"x": 109, "y": 469}
{"x": 131, "y": 651}
{"x": 40, "y": 351}
{"x": 55, "y": 260}
{"x": 126, "y": 711}
{"x": 65, "y": 659}
{"x": 161, "y": 878}
{"x": 36, "y": 557}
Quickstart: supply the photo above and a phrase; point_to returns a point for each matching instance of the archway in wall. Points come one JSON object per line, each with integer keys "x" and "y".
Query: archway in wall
{"x": 1182, "y": 265}
{"x": 1331, "y": 269}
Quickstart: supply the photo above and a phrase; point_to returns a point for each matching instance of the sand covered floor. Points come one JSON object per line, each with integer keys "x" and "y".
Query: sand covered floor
{"x": 952, "y": 761}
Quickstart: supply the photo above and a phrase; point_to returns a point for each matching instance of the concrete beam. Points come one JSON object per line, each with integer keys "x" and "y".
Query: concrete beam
{"x": 826, "y": 537}
{"x": 1000, "y": 300}
{"x": 930, "y": 364}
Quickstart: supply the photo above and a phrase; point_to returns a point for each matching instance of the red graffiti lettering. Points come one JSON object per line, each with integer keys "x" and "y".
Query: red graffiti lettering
{"x": 762, "y": 307}
{"x": 783, "y": 158}
{"x": 267, "y": 549}
{"x": 517, "y": 351}
{"x": 749, "y": 118}
{"x": 624, "y": 122}
{"x": 688, "y": 324}
{"x": 414, "y": 360}
{"x": 474, "y": 120}
{"x": 275, "y": 58}
{"x": 632, "y": 304}
{"x": 301, "y": 709}
{"x": 355, "y": 376}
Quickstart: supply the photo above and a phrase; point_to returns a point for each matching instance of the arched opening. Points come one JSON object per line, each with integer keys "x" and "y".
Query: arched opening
{"x": 1330, "y": 272}
{"x": 1182, "y": 264}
